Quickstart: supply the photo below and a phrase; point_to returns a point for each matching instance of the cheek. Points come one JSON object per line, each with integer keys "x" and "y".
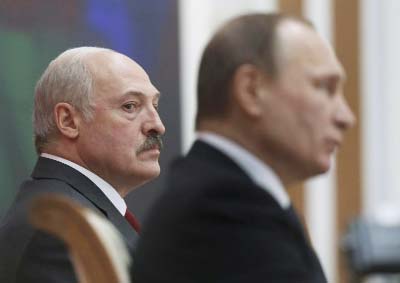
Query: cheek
{"x": 120, "y": 140}
{"x": 302, "y": 128}
{"x": 124, "y": 144}
{"x": 317, "y": 125}
{"x": 313, "y": 114}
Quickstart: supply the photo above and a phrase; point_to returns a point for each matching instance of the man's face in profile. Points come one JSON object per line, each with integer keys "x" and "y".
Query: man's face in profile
{"x": 305, "y": 111}
{"x": 121, "y": 143}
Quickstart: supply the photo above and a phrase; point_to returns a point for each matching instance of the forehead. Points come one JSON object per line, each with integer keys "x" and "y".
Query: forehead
{"x": 300, "y": 47}
{"x": 116, "y": 75}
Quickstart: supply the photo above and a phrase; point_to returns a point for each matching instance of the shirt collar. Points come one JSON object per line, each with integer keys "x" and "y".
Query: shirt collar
{"x": 258, "y": 171}
{"x": 105, "y": 187}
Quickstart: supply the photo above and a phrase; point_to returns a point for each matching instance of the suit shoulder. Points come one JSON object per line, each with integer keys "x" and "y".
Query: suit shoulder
{"x": 35, "y": 187}
{"x": 194, "y": 179}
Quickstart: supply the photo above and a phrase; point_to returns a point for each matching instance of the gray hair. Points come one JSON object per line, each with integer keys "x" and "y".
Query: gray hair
{"x": 66, "y": 79}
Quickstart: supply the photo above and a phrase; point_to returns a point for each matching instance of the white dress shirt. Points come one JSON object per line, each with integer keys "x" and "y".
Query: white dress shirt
{"x": 105, "y": 187}
{"x": 259, "y": 172}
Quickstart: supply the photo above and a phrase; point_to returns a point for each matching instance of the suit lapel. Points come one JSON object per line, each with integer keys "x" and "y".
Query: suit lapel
{"x": 295, "y": 222}
{"x": 125, "y": 229}
{"x": 50, "y": 169}
{"x": 309, "y": 251}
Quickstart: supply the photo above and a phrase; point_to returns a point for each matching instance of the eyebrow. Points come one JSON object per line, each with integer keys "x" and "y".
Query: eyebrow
{"x": 339, "y": 76}
{"x": 139, "y": 93}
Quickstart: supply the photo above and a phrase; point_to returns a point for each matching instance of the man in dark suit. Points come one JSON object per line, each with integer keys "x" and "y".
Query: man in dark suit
{"x": 270, "y": 113}
{"x": 97, "y": 133}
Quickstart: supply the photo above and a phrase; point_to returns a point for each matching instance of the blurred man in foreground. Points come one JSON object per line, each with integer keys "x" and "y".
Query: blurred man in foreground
{"x": 97, "y": 133}
{"x": 271, "y": 112}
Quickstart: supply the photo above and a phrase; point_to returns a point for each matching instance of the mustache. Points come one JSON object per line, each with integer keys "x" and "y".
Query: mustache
{"x": 150, "y": 142}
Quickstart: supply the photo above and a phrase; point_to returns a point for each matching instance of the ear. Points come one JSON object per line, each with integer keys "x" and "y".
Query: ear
{"x": 67, "y": 120}
{"x": 247, "y": 88}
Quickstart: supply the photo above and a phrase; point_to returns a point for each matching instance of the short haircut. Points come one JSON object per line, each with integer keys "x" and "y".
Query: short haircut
{"x": 248, "y": 39}
{"x": 66, "y": 79}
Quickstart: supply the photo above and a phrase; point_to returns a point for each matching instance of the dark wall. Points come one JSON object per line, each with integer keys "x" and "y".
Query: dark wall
{"x": 34, "y": 32}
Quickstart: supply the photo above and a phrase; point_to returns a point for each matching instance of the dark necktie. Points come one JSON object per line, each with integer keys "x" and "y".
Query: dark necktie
{"x": 132, "y": 220}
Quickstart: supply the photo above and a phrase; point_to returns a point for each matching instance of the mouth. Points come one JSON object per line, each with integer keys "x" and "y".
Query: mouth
{"x": 154, "y": 148}
{"x": 150, "y": 154}
{"x": 150, "y": 150}
{"x": 333, "y": 144}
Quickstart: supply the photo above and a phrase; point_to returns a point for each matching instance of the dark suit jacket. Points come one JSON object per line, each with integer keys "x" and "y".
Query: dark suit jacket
{"x": 213, "y": 224}
{"x": 30, "y": 256}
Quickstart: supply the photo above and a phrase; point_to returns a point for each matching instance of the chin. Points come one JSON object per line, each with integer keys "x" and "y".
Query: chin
{"x": 315, "y": 168}
{"x": 323, "y": 166}
{"x": 143, "y": 173}
{"x": 151, "y": 172}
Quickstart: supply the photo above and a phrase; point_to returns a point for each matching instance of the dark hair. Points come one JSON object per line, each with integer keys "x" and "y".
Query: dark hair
{"x": 248, "y": 39}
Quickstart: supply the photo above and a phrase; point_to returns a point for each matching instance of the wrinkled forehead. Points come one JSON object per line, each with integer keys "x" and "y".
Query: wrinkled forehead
{"x": 300, "y": 46}
{"x": 118, "y": 73}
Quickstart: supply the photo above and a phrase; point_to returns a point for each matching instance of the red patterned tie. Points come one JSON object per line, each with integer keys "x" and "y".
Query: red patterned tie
{"x": 132, "y": 220}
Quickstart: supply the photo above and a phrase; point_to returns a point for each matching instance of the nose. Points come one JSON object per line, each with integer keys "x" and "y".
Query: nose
{"x": 344, "y": 117}
{"x": 153, "y": 124}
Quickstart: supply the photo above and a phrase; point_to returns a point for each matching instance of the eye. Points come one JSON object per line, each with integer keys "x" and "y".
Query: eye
{"x": 130, "y": 107}
{"x": 327, "y": 86}
{"x": 156, "y": 106}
